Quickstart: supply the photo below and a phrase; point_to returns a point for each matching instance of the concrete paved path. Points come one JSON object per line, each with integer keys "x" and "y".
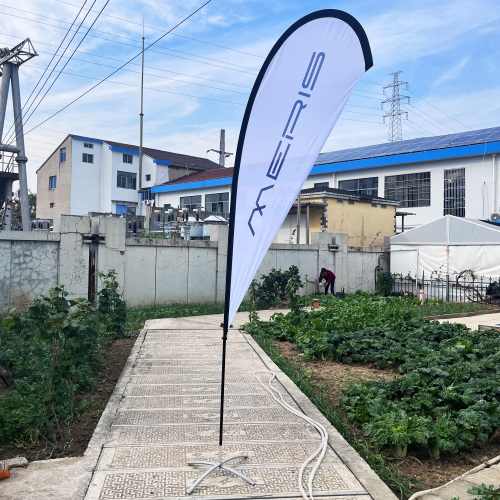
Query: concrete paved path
{"x": 490, "y": 320}
{"x": 168, "y": 414}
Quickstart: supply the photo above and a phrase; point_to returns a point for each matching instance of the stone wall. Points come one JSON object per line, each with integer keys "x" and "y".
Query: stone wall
{"x": 155, "y": 272}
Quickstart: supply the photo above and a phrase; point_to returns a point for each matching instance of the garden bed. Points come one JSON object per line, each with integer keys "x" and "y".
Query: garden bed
{"x": 90, "y": 406}
{"x": 422, "y": 471}
{"x": 400, "y": 388}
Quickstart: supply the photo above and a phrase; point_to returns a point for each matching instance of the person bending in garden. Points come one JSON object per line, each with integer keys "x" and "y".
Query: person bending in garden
{"x": 329, "y": 277}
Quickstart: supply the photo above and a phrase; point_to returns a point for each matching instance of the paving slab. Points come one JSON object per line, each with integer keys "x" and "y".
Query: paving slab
{"x": 168, "y": 414}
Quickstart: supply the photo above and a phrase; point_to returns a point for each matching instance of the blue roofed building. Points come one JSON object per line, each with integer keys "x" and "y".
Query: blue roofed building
{"x": 456, "y": 174}
{"x": 85, "y": 175}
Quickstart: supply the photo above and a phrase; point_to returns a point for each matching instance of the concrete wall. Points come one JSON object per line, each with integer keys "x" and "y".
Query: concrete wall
{"x": 155, "y": 272}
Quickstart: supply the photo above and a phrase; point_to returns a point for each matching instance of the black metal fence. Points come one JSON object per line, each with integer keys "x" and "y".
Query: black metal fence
{"x": 450, "y": 288}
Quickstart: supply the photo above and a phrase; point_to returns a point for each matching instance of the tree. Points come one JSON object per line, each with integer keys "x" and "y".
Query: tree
{"x": 16, "y": 211}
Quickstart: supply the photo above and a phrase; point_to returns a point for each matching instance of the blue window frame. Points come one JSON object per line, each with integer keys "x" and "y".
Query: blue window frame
{"x": 52, "y": 182}
{"x": 62, "y": 154}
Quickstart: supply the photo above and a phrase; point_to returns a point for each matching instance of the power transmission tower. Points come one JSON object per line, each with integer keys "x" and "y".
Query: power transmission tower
{"x": 10, "y": 60}
{"x": 395, "y": 130}
{"x": 222, "y": 151}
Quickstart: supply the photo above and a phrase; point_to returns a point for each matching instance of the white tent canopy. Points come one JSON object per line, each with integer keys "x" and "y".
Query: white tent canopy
{"x": 448, "y": 245}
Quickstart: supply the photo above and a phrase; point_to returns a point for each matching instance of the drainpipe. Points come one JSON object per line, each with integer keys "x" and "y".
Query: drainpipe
{"x": 307, "y": 224}
{"x": 494, "y": 183}
{"x": 298, "y": 219}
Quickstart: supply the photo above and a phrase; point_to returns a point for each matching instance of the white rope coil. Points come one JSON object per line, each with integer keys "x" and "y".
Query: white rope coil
{"x": 278, "y": 397}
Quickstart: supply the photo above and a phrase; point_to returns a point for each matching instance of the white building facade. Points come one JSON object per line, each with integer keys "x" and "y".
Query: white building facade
{"x": 91, "y": 175}
{"x": 446, "y": 175}
{"x": 430, "y": 177}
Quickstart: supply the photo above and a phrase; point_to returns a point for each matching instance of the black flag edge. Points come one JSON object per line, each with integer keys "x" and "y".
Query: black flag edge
{"x": 365, "y": 46}
{"x": 367, "y": 54}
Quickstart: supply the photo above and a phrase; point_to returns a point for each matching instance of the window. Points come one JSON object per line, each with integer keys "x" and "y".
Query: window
{"x": 190, "y": 202}
{"x": 146, "y": 194}
{"x": 88, "y": 145}
{"x": 217, "y": 203}
{"x": 374, "y": 205}
{"x": 340, "y": 201}
{"x": 148, "y": 177}
{"x": 321, "y": 184}
{"x": 52, "y": 182}
{"x": 454, "y": 192}
{"x": 52, "y": 205}
{"x": 126, "y": 180}
{"x": 62, "y": 154}
{"x": 350, "y": 202}
{"x": 411, "y": 190}
{"x": 87, "y": 158}
{"x": 124, "y": 208}
{"x": 127, "y": 158}
{"x": 368, "y": 186}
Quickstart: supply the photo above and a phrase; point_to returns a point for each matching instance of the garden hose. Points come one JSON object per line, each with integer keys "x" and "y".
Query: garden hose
{"x": 278, "y": 397}
{"x": 482, "y": 466}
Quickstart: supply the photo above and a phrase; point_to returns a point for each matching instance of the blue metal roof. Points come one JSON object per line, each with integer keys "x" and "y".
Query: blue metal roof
{"x": 474, "y": 137}
{"x": 226, "y": 181}
{"x": 87, "y": 139}
{"x": 124, "y": 150}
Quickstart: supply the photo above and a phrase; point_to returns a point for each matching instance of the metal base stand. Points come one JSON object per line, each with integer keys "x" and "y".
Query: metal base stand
{"x": 218, "y": 465}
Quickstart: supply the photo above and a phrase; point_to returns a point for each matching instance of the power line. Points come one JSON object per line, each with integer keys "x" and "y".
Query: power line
{"x": 146, "y": 74}
{"x": 435, "y": 119}
{"x": 67, "y": 62}
{"x": 173, "y": 34}
{"x": 422, "y": 117}
{"x": 115, "y": 82}
{"x": 116, "y": 71}
{"x": 269, "y": 38}
{"x": 444, "y": 112}
{"x": 252, "y": 70}
{"x": 418, "y": 128}
{"x": 90, "y": 54}
{"x": 47, "y": 67}
{"x": 191, "y": 95}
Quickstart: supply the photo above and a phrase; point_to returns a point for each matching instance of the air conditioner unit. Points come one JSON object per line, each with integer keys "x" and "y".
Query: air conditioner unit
{"x": 495, "y": 217}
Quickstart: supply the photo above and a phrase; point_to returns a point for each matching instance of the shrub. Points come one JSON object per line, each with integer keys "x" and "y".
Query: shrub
{"x": 272, "y": 287}
{"x": 385, "y": 282}
{"x": 51, "y": 350}
{"x": 111, "y": 307}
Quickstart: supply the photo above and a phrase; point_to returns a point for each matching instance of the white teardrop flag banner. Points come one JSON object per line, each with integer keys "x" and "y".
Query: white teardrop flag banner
{"x": 297, "y": 98}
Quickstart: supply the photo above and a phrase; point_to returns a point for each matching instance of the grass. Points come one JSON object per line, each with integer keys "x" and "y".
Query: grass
{"x": 435, "y": 308}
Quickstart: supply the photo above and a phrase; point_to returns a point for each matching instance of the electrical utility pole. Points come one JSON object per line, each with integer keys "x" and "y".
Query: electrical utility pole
{"x": 10, "y": 60}
{"x": 222, "y": 151}
{"x": 395, "y": 130}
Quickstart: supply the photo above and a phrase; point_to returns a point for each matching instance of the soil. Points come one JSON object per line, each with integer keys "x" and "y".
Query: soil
{"x": 91, "y": 404}
{"x": 422, "y": 471}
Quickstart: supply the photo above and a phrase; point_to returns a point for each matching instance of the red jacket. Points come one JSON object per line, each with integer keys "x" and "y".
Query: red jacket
{"x": 330, "y": 277}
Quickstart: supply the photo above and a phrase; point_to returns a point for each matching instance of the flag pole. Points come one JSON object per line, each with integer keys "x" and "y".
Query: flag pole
{"x": 225, "y": 325}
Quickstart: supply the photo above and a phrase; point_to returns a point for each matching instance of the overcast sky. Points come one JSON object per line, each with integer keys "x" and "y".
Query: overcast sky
{"x": 198, "y": 78}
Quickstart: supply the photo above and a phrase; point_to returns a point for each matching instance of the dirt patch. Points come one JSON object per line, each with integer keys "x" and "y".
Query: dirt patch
{"x": 90, "y": 406}
{"x": 423, "y": 471}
